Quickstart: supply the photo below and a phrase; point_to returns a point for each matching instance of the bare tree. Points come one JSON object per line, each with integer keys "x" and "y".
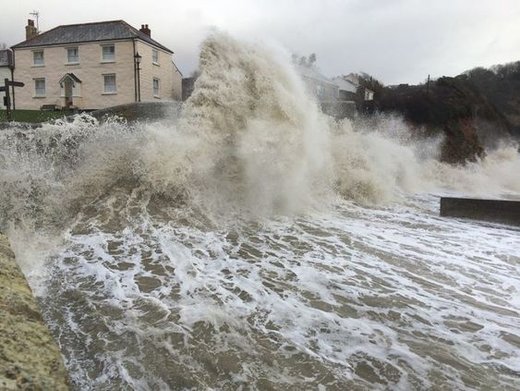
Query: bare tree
{"x": 304, "y": 61}
{"x": 312, "y": 59}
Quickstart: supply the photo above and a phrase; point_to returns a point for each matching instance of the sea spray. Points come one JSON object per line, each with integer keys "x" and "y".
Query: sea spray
{"x": 264, "y": 144}
{"x": 250, "y": 140}
{"x": 49, "y": 172}
{"x": 494, "y": 176}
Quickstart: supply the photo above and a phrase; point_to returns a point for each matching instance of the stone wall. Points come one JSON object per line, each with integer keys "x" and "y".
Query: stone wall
{"x": 500, "y": 211}
{"x": 29, "y": 357}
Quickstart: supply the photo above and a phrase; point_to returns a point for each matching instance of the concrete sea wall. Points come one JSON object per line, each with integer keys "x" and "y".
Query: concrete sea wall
{"x": 500, "y": 211}
{"x": 29, "y": 357}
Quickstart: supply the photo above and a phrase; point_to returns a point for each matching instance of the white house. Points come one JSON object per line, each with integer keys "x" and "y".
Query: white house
{"x": 323, "y": 88}
{"x": 350, "y": 85}
{"x": 93, "y": 66}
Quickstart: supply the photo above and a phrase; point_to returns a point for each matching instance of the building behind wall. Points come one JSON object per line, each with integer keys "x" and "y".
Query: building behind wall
{"x": 93, "y": 66}
{"x": 188, "y": 85}
{"x": 351, "y": 89}
{"x": 319, "y": 86}
{"x": 6, "y": 67}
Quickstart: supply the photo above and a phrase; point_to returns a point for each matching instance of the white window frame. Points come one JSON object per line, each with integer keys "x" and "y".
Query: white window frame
{"x": 76, "y": 59}
{"x": 113, "y": 56}
{"x": 105, "y": 85}
{"x": 38, "y": 91}
{"x": 38, "y": 64}
{"x": 155, "y": 56}
{"x": 156, "y": 94}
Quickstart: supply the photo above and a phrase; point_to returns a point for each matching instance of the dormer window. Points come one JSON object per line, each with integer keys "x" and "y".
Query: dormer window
{"x": 38, "y": 58}
{"x": 155, "y": 56}
{"x": 73, "y": 55}
{"x": 108, "y": 53}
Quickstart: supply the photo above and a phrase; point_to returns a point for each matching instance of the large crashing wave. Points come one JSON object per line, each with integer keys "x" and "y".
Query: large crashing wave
{"x": 249, "y": 140}
{"x": 258, "y": 142}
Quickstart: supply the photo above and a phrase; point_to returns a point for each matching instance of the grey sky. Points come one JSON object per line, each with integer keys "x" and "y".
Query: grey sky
{"x": 396, "y": 41}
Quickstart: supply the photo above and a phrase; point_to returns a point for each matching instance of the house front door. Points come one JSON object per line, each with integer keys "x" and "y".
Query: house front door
{"x": 68, "y": 93}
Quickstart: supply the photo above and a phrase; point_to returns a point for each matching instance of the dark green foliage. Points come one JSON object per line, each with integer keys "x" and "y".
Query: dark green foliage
{"x": 367, "y": 81}
{"x": 453, "y": 106}
{"x": 501, "y": 85}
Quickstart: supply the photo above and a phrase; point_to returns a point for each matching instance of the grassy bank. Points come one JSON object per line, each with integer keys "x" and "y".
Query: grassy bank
{"x": 33, "y": 116}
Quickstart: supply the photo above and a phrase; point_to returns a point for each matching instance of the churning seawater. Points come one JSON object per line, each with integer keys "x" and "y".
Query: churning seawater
{"x": 253, "y": 243}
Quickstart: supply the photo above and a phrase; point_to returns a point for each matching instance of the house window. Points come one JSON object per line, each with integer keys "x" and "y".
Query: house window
{"x": 155, "y": 56}
{"x": 39, "y": 87}
{"x": 108, "y": 53}
{"x": 38, "y": 57}
{"x": 72, "y": 55}
{"x": 109, "y": 82}
{"x": 155, "y": 87}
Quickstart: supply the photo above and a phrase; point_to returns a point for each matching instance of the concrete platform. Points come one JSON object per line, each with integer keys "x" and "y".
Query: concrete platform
{"x": 501, "y": 211}
{"x": 29, "y": 357}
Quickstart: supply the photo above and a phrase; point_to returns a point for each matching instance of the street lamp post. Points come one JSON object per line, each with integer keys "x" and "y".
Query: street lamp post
{"x": 137, "y": 59}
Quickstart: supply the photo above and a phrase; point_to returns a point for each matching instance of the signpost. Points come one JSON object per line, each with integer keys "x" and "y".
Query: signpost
{"x": 7, "y": 97}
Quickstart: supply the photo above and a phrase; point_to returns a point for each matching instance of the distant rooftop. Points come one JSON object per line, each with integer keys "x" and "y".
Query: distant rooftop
{"x": 89, "y": 32}
{"x": 345, "y": 84}
{"x": 311, "y": 72}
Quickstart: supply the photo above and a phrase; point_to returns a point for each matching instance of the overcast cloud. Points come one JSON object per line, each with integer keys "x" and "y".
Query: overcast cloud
{"x": 397, "y": 41}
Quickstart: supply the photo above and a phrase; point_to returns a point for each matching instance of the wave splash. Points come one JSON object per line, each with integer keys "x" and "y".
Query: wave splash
{"x": 250, "y": 140}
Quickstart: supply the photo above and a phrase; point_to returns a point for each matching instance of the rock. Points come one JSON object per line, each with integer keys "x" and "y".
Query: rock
{"x": 29, "y": 357}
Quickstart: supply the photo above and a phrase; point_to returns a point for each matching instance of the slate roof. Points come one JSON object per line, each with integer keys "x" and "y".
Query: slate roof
{"x": 312, "y": 73}
{"x": 89, "y": 32}
{"x": 345, "y": 84}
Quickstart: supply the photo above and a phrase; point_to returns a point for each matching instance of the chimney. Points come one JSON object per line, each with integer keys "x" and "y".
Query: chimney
{"x": 30, "y": 30}
{"x": 146, "y": 30}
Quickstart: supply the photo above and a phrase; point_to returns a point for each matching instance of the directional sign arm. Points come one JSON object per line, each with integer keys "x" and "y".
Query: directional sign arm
{"x": 15, "y": 83}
